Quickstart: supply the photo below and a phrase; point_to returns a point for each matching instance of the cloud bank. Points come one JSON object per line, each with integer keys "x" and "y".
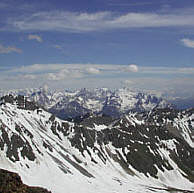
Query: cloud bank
{"x": 64, "y": 71}
{"x": 66, "y": 21}
{"x": 99, "y": 75}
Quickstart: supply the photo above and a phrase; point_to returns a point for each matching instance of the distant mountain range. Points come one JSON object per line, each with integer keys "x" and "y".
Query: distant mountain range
{"x": 71, "y": 104}
{"x": 143, "y": 151}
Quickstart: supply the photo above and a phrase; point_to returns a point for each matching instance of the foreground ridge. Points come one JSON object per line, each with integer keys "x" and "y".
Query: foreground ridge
{"x": 139, "y": 152}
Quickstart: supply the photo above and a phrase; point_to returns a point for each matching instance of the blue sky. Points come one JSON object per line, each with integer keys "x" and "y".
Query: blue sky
{"x": 147, "y": 44}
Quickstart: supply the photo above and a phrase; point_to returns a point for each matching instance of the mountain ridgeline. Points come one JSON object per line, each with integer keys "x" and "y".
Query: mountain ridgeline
{"x": 69, "y": 105}
{"x": 141, "y": 151}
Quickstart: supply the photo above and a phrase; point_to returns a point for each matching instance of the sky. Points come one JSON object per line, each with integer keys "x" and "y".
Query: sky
{"x": 143, "y": 44}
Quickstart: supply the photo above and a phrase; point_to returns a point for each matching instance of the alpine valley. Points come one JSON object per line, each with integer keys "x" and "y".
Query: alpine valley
{"x": 95, "y": 141}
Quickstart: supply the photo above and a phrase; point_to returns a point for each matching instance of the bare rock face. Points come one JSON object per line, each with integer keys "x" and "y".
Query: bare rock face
{"x": 12, "y": 183}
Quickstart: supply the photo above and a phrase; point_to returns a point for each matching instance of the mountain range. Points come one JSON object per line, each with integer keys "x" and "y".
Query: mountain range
{"x": 68, "y": 105}
{"x": 149, "y": 150}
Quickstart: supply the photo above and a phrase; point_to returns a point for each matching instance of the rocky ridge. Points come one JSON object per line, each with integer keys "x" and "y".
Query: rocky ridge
{"x": 142, "y": 151}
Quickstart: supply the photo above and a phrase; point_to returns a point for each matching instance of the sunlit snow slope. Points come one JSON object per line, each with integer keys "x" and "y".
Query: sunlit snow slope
{"x": 141, "y": 152}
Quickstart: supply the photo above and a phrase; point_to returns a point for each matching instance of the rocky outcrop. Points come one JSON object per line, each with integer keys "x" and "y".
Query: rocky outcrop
{"x": 11, "y": 183}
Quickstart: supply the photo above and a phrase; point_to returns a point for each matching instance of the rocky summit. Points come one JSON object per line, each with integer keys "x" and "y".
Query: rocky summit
{"x": 142, "y": 151}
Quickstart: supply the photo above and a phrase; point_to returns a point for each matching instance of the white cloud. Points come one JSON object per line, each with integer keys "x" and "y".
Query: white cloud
{"x": 9, "y": 49}
{"x": 75, "y": 69}
{"x": 38, "y": 68}
{"x": 99, "y": 75}
{"x": 35, "y": 37}
{"x": 82, "y": 70}
{"x": 188, "y": 42}
{"x": 131, "y": 68}
{"x": 92, "y": 70}
{"x": 96, "y": 75}
{"x": 99, "y": 21}
{"x": 57, "y": 72}
{"x": 61, "y": 75}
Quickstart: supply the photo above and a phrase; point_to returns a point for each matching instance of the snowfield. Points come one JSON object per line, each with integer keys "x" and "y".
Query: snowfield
{"x": 64, "y": 157}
